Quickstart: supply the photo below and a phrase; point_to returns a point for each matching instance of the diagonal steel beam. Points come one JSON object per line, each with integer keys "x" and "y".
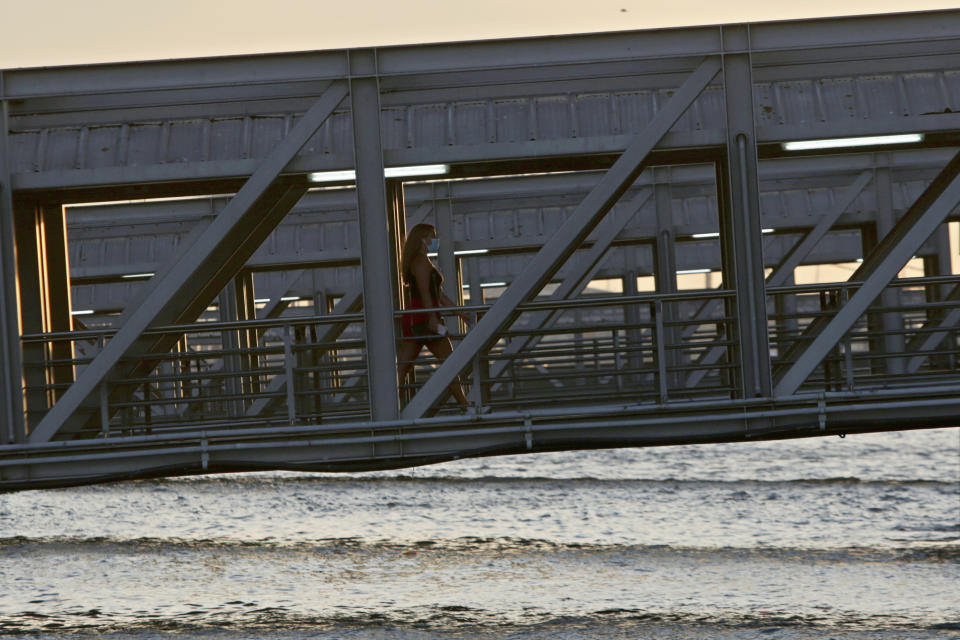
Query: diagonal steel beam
{"x": 876, "y": 272}
{"x": 183, "y": 306}
{"x": 813, "y": 237}
{"x": 576, "y": 280}
{"x": 565, "y": 241}
{"x": 276, "y": 305}
{"x": 932, "y": 334}
{"x": 187, "y": 285}
{"x": 783, "y": 270}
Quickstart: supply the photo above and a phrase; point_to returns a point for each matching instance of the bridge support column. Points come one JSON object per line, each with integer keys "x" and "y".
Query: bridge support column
{"x": 891, "y": 321}
{"x": 13, "y": 427}
{"x": 740, "y": 221}
{"x": 377, "y": 244}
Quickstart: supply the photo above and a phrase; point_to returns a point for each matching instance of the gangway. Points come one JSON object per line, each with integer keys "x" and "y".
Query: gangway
{"x": 200, "y": 256}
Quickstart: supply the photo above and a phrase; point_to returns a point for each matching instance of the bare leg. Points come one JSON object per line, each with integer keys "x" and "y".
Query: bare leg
{"x": 442, "y": 348}
{"x": 406, "y": 354}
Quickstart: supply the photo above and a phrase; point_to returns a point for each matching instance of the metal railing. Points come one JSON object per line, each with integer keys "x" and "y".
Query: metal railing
{"x": 601, "y": 349}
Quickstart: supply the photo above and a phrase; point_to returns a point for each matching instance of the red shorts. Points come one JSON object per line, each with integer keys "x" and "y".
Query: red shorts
{"x": 413, "y": 325}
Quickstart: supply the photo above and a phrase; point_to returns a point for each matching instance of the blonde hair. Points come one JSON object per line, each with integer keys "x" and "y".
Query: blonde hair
{"x": 413, "y": 246}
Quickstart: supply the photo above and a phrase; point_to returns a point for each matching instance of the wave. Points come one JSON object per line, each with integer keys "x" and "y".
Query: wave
{"x": 930, "y": 553}
{"x": 249, "y": 619}
{"x": 244, "y": 479}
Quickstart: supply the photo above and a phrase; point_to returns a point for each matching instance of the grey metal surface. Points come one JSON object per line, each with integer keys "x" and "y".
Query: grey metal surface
{"x": 292, "y": 385}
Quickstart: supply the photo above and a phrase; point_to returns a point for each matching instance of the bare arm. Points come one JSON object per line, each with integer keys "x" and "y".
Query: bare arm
{"x": 447, "y": 302}
{"x": 421, "y": 275}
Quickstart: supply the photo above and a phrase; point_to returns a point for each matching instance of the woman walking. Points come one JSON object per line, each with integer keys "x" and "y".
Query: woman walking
{"x": 423, "y": 281}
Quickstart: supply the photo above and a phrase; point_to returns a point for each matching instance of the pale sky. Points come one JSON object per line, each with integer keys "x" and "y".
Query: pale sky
{"x": 56, "y": 32}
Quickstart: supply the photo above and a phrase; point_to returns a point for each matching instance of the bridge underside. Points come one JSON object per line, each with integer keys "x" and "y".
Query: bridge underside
{"x": 191, "y": 287}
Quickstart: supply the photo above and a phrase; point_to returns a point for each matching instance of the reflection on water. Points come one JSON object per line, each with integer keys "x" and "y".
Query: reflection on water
{"x": 829, "y": 537}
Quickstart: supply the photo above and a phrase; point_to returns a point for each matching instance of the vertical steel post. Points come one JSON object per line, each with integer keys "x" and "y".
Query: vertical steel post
{"x": 247, "y": 310}
{"x": 939, "y": 264}
{"x": 657, "y": 312}
{"x": 33, "y": 303}
{"x": 847, "y": 350}
{"x": 379, "y": 273}
{"x": 447, "y": 262}
{"x": 397, "y": 227}
{"x": 288, "y": 373}
{"x": 230, "y": 343}
{"x": 57, "y": 268}
{"x": 740, "y": 229}
{"x": 893, "y": 338}
{"x": 634, "y": 338}
{"x": 666, "y": 266}
{"x": 104, "y": 410}
{"x": 11, "y": 394}
{"x": 786, "y": 309}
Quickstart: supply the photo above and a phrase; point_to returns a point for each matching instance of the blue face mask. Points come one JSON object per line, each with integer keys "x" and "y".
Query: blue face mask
{"x": 433, "y": 246}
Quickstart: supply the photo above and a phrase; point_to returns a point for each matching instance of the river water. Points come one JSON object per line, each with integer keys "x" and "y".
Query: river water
{"x": 849, "y": 538}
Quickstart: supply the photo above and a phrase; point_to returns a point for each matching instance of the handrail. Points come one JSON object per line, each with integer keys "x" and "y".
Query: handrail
{"x": 534, "y": 305}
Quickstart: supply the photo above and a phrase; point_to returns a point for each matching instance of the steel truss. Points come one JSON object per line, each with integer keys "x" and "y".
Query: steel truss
{"x": 648, "y": 122}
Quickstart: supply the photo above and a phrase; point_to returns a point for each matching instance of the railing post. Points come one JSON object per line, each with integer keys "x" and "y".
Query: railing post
{"x": 479, "y": 393}
{"x": 847, "y": 354}
{"x": 634, "y": 337}
{"x": 288, "y": 372}
{"x": 661, "y": 350}
{"x": 104, "y": 410}
{"x": 617, "y": 359}
{"x": 665, "y": 273}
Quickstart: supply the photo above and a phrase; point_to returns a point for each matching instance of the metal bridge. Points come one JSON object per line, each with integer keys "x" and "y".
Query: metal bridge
{"x": 200, "y": 256}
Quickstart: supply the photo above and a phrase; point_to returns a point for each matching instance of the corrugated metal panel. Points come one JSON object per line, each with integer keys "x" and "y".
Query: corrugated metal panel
{"x": 419, "y": 126}
{"x": 513, "y": 120}
{"x": 886, "y": 96}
